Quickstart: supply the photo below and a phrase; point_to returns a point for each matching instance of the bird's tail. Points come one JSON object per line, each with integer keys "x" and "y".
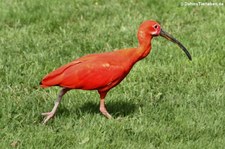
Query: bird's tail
{"x": 55, "y": 77}
{"x": 52, "y": 79}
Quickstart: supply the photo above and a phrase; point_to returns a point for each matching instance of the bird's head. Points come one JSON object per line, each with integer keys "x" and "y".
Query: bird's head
{"x": 149, "y": 29}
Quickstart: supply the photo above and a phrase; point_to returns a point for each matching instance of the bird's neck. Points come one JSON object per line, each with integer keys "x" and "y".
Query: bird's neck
{"x": 143, "y": 48}
{"x": 136, "y": 54}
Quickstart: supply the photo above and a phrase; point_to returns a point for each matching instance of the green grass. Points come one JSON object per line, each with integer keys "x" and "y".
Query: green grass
{"x": 165, "y": 102}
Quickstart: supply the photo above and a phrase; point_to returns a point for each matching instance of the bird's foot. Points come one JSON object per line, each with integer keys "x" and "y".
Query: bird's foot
{"x": 48, "y": 116}
{"x": 105, "y": 113}
{"x": 108, "y": 116}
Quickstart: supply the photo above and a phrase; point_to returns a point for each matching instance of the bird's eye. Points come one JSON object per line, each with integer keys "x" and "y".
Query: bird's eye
{"x": 156, "y": 26}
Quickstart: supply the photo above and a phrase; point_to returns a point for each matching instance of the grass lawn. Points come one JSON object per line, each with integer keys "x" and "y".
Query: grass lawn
{"x": 165, "y": 102}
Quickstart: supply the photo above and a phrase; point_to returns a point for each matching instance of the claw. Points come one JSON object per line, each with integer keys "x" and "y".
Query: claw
{"x": 48, "y": 116}
{"x": 105, "y": 113}
{"x": 108, "y": 116}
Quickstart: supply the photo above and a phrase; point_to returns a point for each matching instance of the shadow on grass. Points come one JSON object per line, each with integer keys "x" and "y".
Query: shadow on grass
{"x": 116, "y": 109}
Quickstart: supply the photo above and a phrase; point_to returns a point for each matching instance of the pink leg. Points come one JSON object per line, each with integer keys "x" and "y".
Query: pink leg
{"x": 49, "y": 115}
{"x": 102, "y": 108}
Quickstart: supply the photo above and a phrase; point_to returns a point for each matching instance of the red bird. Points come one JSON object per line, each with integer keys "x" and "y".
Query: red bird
{"x": 104, "y": 71}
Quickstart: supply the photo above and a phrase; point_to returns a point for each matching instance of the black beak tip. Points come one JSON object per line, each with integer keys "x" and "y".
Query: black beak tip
{"x": 188, "y": 55}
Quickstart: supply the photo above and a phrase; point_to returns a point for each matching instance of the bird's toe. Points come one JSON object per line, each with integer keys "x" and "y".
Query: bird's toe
{"x": 48, "y": 116}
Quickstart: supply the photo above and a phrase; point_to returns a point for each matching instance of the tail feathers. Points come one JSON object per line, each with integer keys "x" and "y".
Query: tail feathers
{"x": 51, "y": 81}
{"x": 55, "y": 77}
{"x": 43, "y": 86}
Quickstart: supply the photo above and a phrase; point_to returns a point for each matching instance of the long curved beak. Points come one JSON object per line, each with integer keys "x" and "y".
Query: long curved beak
{"x": 171, "y": 38}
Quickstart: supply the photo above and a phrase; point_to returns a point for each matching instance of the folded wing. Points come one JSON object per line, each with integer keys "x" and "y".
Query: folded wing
{"x": 89, "y": 73}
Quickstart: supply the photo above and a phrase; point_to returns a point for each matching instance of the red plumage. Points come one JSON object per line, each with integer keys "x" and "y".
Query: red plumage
{"x": 92, "y": 72}
{"x": 105, "y": 70}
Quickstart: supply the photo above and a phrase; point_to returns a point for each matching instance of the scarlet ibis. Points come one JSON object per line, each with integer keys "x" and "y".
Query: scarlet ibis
{"x": 104, "y": 71}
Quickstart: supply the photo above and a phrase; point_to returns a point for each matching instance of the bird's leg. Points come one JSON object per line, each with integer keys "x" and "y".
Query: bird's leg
{"x": 49, "y": 115}
{"x": 102, "y": 108}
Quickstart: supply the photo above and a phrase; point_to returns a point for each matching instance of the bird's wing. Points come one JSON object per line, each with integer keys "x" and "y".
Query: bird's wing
{"x": 88, "y": 72}
{"x": 54, "y": 77}
{"x": 92, "y": 75}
